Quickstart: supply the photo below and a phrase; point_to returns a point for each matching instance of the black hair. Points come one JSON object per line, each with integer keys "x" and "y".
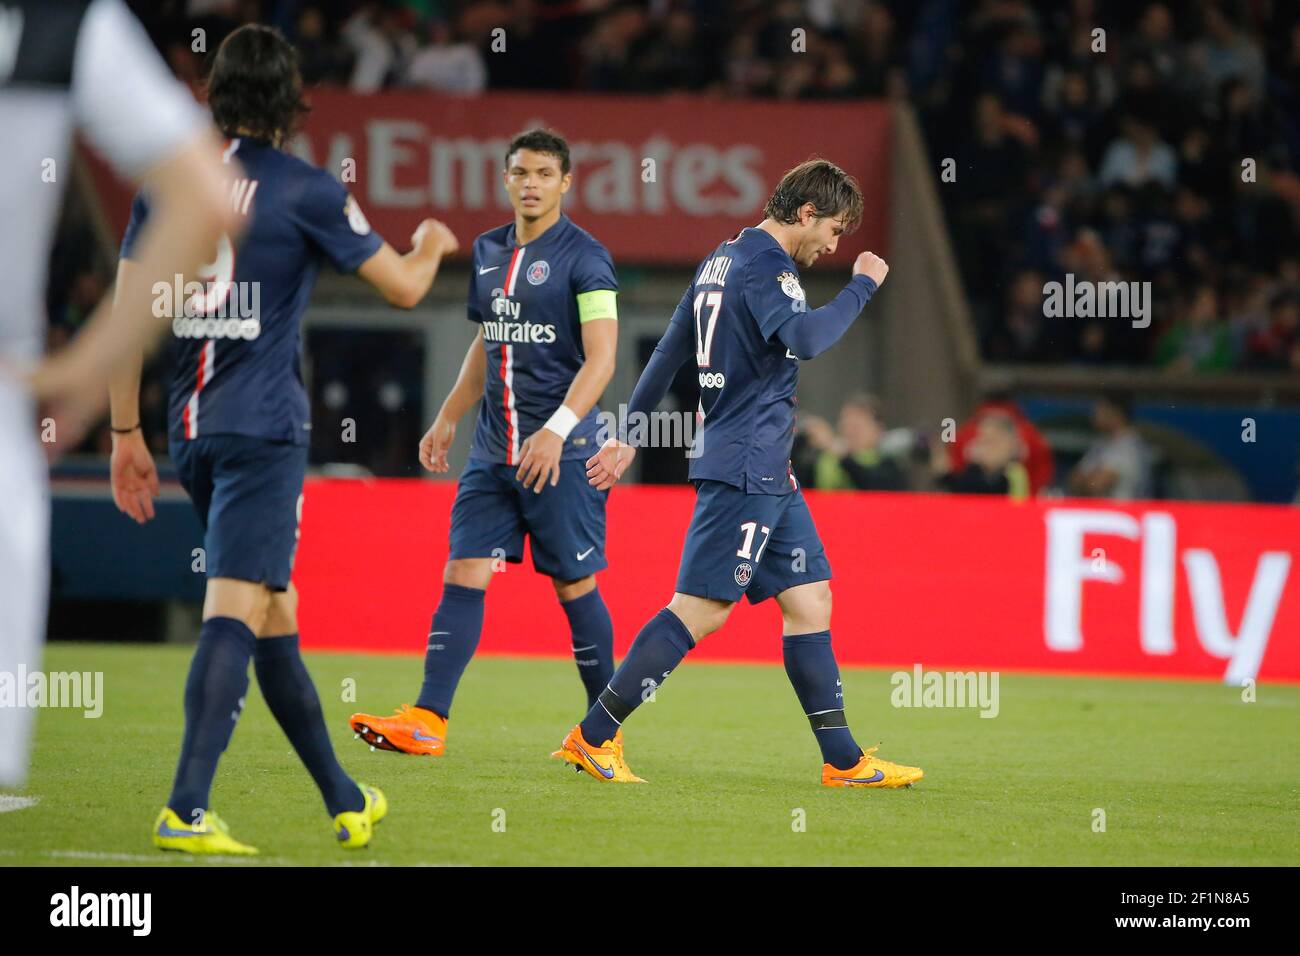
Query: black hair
{"x": 541, "y": 140}
{"x": 254, "y": 87}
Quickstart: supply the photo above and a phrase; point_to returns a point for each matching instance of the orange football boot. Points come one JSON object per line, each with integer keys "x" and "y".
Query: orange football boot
{"x": 604, "y": 763}
{"x": 411, "y": 730}
{"x": 871, "y": 772}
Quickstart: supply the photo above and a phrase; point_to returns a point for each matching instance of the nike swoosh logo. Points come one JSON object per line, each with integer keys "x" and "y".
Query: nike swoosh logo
{"x": 583, "y": 556}
{"x": 166, "y": 831}
{"x": 484, "y": 271}
{"x": 879, "y": 776}
{"x": 419, "y": 736}
{"x": 607, "y": 774}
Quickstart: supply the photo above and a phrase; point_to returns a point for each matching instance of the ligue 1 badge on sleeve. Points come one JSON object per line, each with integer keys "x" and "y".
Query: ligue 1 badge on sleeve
{"x": 356, "y": 218}
{"x": 790, "y": 285}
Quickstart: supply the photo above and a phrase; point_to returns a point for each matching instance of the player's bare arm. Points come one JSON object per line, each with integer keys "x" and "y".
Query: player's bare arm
{"x": 468, "y": 389}
{"x": 404, "y": 280}
{"x": 132, "y": 473}
{"x": 540, "y": 461}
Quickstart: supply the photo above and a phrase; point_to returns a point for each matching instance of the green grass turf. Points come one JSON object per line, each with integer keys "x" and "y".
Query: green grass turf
{"x": 1186, "y": 773}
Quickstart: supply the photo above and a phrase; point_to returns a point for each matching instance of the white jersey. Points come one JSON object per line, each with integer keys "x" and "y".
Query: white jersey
{"x": 65, "y": 65}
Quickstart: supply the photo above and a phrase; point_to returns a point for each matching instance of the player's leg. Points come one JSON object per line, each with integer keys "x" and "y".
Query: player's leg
{"x": 566, "y": 524}
{"x": 24, "y": 570}
{"x": 591, "y": 632}
{"x": 486, "y": 528}
{"x": 291, "y": 696}
{"x": 215, "y": 688}
{"x": 234, "y": 608}
{"x": 796, "y": 572}
{"x": 715, "y": 570}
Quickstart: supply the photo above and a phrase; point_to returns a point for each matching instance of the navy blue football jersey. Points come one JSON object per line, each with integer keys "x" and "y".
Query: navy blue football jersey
{"x": 237, "y": 344}
{"x": 525, "y": 299}
{"x": 742, "y": 293}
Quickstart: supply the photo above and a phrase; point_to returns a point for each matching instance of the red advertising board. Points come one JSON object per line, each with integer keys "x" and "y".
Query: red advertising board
{"x": 1161, "y": 589}
{"x": 658, "y": 180}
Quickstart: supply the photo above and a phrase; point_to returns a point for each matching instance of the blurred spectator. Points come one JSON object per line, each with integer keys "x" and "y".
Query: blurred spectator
{"x": 321, "y": 57}
{"x": 1277, "y": 345}
{"x": 1118, "y": 464}
{"x": 849, "y": 456}
{"x": 1139, "y": 157}
{"x": 1199, "y": 341}
{"x": 446, "y": 65}
{"x": 1037, "y": 457}
{"x": 993, "y": 461}
{"x": 379, "y": 37}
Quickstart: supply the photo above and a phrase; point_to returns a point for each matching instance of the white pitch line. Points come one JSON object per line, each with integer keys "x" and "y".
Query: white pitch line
{"x": 10, "y": 803}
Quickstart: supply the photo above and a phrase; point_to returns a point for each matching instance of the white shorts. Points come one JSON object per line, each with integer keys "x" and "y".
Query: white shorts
{"x": 24, "y": 568}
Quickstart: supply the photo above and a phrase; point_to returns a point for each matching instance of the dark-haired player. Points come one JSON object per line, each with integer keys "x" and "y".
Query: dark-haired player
{"x": 542, "y": 291}
{"x": 238, "y": 430}
{"x": 746, "y": 321}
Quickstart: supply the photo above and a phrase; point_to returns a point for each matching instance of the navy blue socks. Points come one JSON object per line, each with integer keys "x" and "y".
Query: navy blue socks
{"x": 593, "y": 641}
{"x": 810, "y": 665}
{"x": 457, "y": 624}
{"x": 214, "y": 698}
{"x": 292, "y": 697}
{"x": 660, "y": 646}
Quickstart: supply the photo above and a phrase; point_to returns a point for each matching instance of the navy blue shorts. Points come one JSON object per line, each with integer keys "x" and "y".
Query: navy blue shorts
{"x": 566, "y": 524}
{"x": 754, "y": 546}
{"x": 248, "y": 493}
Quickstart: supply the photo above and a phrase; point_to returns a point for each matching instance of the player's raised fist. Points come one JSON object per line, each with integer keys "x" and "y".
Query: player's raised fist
{"x": 870, "y": 264}
{"x": 434, "y": 234}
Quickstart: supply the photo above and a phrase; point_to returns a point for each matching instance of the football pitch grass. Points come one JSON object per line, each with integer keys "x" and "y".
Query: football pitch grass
{"x": 1186, "y": 773}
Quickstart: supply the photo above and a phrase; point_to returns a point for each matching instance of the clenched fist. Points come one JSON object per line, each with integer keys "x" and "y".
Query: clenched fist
{"x": 870, "y": 264}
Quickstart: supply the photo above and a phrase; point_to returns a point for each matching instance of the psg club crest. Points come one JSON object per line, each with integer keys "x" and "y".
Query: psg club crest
{"x": 539, "y": 272}
{"x": 744, "y": 574}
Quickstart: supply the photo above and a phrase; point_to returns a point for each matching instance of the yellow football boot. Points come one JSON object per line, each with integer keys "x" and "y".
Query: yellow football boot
{"x": 170, "y": 832}
{"x": 871, "y": 772}
{"x": 604, "y": 763}
{"x": 354, "y": 828}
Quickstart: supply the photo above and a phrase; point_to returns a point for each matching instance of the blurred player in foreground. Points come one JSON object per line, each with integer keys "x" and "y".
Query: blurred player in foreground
{"x": 87, "y": 66}
{"x": 746, "y": 319}
{"x": 238, "y": 430}
{"x": 542, "y": 291}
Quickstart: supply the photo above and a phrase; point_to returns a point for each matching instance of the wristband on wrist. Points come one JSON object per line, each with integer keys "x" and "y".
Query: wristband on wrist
{"x": 123, "y": 431}
{"x": 562, "y": 422}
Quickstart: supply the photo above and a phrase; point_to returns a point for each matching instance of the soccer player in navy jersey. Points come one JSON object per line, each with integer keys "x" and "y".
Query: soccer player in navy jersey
{"x": 238, "y": 429}
{"x": 542, "y": 291}
{"x": 746, "y": 320}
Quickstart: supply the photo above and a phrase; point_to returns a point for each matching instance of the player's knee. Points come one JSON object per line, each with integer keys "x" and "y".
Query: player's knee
{"x": 469, "y": 572}
{"x": 810, "y": 612}
{"x": 572, "y": 590}
{"x": 282, "y": 615}
{"x": 700, "y": 615}
{"x": 243, "y": 601}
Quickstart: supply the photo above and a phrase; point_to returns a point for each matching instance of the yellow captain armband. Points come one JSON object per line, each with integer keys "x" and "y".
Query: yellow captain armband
{"x": 597, "y": 304}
